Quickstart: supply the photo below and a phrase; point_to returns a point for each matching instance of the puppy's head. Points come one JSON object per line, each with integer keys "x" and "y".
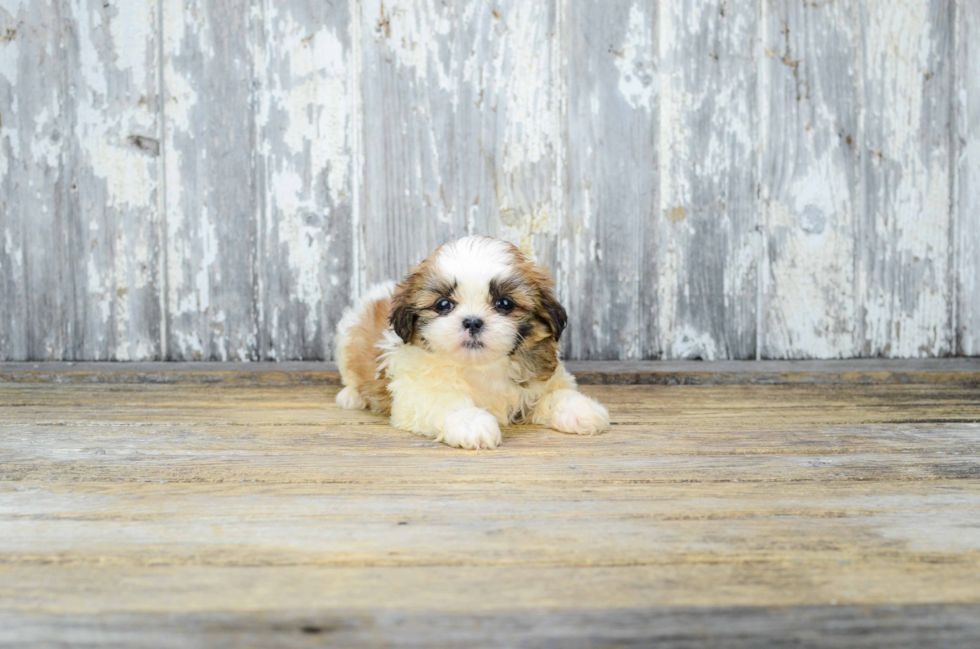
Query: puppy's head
{"x": 477, "y": 299}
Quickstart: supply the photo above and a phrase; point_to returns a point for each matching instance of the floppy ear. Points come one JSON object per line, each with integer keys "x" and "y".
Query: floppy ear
{"x": 552, "y": 313}
{"x": 404, "y": 315}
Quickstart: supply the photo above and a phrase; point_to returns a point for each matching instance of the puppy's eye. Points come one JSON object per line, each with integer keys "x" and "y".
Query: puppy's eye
{"x": 504, "y": 305}
{"x": 443, "y": 305}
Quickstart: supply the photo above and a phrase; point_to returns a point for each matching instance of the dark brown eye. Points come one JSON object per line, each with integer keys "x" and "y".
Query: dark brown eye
{"x": 443, "y": 306}
{"x": 504, "y": 305}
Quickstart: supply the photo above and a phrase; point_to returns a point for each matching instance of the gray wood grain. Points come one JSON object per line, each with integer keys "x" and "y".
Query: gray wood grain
{"x": 409, "y": 203}
{"x": 612, "y": 185}
{"x": 966, "y": 242}
{"x": 37, "y": 305}
{"x": 809, "y": 178}
{"x": 904, "y": 278}
{"x": 217, "y": 179}
{"x": 304, "y": 112}
{"x": 235, "y": 514}
{"x": 736, "y": 627}
{"x": 113, "y": 165}
{"x": 211, "y": 209}
{"x": 507, "y": 124}
{"x": 710, "y": 235}
{"x": 459, "y": 130}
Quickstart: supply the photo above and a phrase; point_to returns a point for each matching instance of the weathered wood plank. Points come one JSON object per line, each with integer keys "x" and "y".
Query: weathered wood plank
{"x": 114, "y": 169}
{"x": 966, "y": 240}
{"x": 670, "y": 627}
{"x": 454, "y": 589}
{"x": 409, "y": 202}
{"x": 557, "y": 466}
{"x": 903, "y": 246}
{"x": 612, "y": 186}
{"x": 810, "y": 178}
{"x": 940, "y": 431}
{"x": 37, "y": 306}
{"x": 535, "y": 526}
{"x": 209, "y": 147}
{"x": 459, "y": 130}
{"x": 507, "y": 133}
{"x": 304, "y": 165}
{"x": 124, "y": 506}
{"x": 961, "y": 371}
{"x": 295, "y": 434}
{"x": 709, "y": 224}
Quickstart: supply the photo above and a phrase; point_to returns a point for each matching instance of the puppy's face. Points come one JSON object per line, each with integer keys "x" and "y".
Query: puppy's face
{"x": 477, "y": 300}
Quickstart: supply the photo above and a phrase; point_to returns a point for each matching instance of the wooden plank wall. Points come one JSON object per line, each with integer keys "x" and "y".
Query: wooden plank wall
{"x": 966, "y": 179}
{"x": 215, "y": 179}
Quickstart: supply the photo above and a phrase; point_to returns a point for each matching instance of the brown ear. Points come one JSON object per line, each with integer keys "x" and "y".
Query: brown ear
{"x": 549, "y": 311}
{"x": 552, "y": 313}
{"x": 404, "y": 315}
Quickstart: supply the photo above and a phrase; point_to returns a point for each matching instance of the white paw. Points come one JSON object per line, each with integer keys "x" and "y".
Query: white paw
{"x": 350, "y": 399}
{"x": 471, "y": 428}
{"x": 577, "y": 413}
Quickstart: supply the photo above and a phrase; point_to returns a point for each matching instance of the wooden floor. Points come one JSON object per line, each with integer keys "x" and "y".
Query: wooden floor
{"x": 819, "y": 505}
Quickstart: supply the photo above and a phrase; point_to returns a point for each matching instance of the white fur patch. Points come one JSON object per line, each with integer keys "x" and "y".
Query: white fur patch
{"x": 350, "y": 399}
{"x": 569, "y": 411}
{"x": 471, "y": 428}
{"x": 475, "y": 260}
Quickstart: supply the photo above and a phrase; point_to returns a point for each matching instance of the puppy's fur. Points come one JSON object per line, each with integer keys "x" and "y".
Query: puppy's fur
{"x": 466, "y": 343}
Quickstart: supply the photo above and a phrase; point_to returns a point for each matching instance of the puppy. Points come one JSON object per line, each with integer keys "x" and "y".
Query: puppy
{"x": 468, "y": 342}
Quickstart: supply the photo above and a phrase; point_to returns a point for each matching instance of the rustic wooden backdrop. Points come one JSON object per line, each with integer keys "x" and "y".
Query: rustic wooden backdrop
{"x": 215, "y": 179}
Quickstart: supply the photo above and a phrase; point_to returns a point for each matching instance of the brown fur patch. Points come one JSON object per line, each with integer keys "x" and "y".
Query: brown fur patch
{"x": 362, "y": 356}
{"x": 413, "y": 297}
{"x": 544, "y": 321}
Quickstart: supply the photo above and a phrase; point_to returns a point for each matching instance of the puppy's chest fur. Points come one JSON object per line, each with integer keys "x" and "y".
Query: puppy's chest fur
{"x": 502, "y": 391}
{"x": 503, "y": 387}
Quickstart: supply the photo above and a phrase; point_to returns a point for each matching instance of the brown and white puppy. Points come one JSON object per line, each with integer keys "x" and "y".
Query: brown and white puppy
{"x": 468, "y": 342}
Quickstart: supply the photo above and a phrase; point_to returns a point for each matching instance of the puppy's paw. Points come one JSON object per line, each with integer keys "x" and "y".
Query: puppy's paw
{"x": 350, "y": 399}
{"x": 577, "y": 413}
{"x": 471, "y": 428}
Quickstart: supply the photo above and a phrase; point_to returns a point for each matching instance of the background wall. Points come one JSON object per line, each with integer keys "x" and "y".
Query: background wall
{"x": 214, "y": 179}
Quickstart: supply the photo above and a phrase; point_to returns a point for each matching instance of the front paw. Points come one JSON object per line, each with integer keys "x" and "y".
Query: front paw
{"x": 471, "y": 428}
{"x": 577, "y": 413}
{"x": 350, "y": 399}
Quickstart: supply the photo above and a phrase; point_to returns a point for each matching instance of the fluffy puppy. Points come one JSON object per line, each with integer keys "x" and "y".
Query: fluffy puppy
{"x": 468, "y": 342}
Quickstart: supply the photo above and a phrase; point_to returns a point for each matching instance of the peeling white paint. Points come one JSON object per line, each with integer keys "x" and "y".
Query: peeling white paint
{"x": 638, "y": 79}
{"x": 202, "y": 279}
{"x": 415, "y": 31}
{"x": 909, "y": 182}
{"x": 704, "y": 172}
{"x": 190, "y": 344}
{"x": 112, "y": 149}
{"x": 689, "y": 343}
{"x": 305, "y": 114}
{"x": 9, "y": 47}
{"x": 809, "y": 303}
{"x": 9, "y": 68}
{"x": 966, "y": 191}
{"x": 524, "y": 87}
{"x": 851, "y": 253}
{"x": 523, "y": 229}
{"x": 45, "y": 149}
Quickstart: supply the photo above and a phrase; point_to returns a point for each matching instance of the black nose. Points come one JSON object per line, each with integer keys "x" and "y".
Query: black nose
{"x": 473, "y": 325}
